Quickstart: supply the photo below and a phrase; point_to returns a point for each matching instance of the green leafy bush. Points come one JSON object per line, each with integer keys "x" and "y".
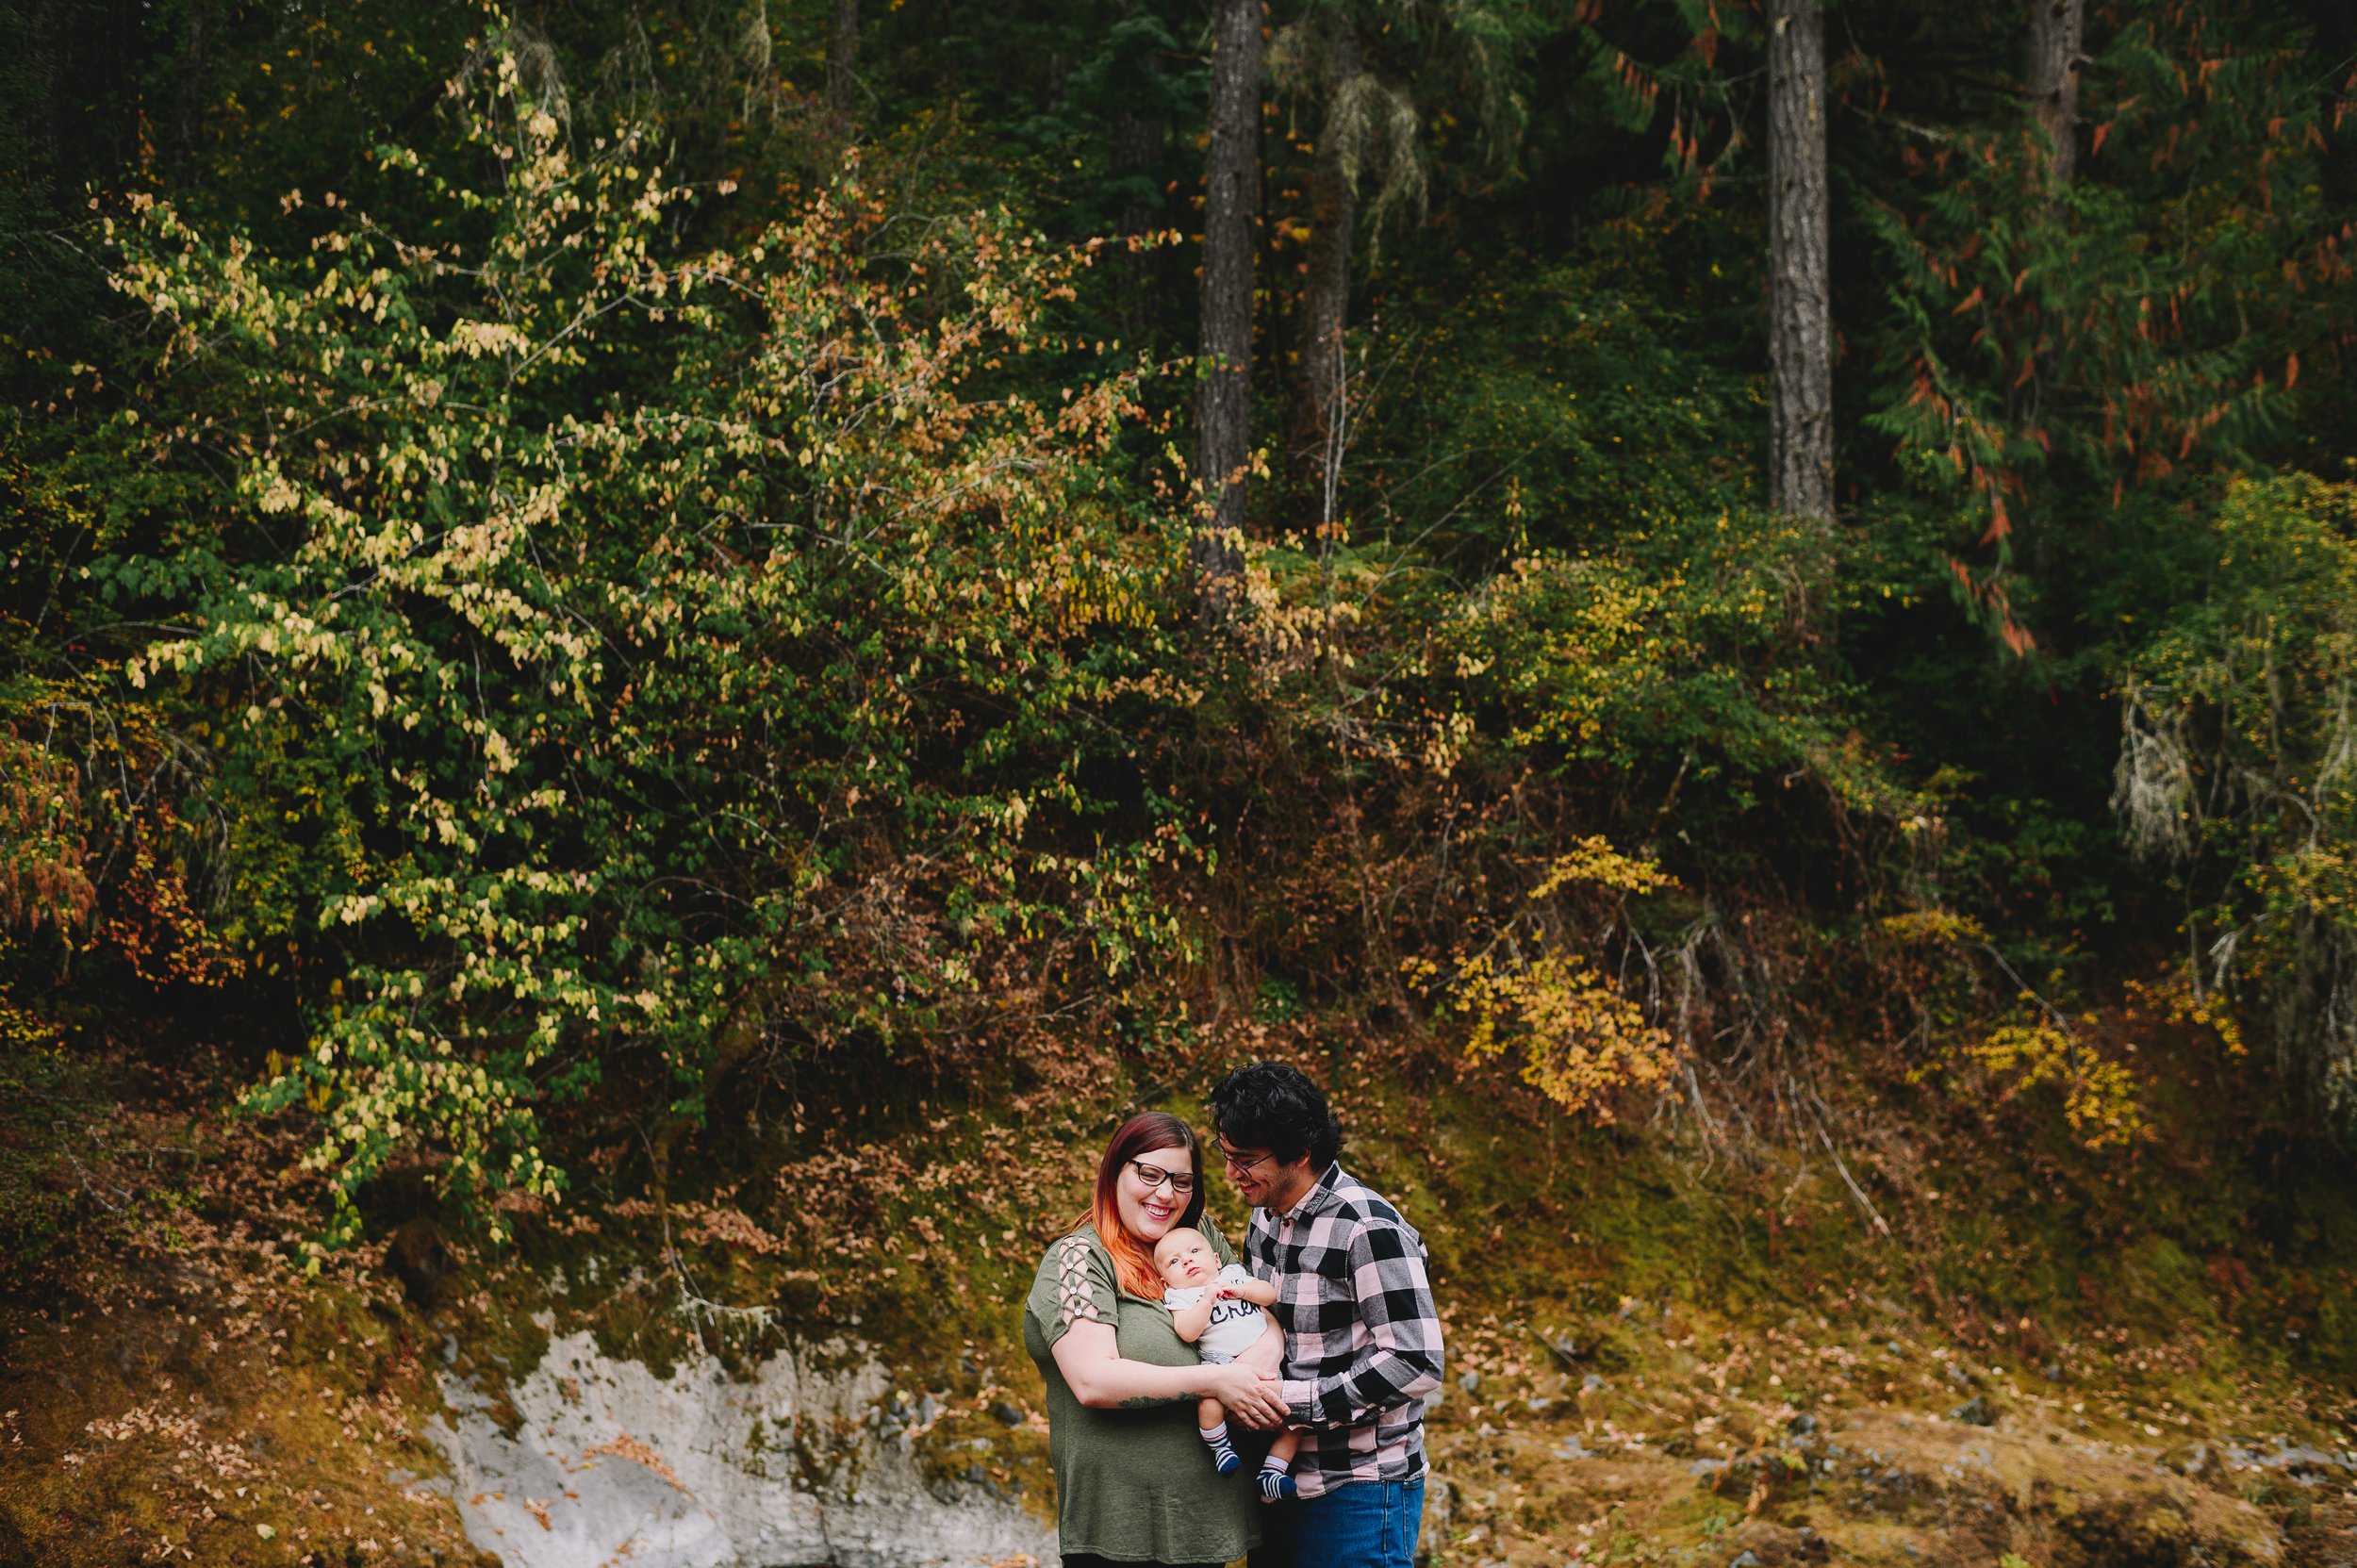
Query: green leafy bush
{"x": 2238, "y": 772}
{"x": 631, "y": 652}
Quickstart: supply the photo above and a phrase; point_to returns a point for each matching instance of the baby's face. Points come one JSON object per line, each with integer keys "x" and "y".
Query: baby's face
{"x": 1186, "y": 1260}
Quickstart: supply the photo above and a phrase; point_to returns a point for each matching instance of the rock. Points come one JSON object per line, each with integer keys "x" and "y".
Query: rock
{"x": 706, "y": 1466}
{"x": 1801, "y": 1425}
{"x": 1974, "y": 1411}
{"x": 1744, "y": 1560}
{"x": 1593, "y": 1383}
{"x": 1470, "y": 1381}
{"x": 2095, "y": 1504}
{"x": 1007, "y": 1414}
{"x": 2052, "y": 1371}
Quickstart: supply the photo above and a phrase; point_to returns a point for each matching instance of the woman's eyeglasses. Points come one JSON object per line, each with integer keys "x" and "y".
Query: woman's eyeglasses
{"x": 1181, "y": 1183}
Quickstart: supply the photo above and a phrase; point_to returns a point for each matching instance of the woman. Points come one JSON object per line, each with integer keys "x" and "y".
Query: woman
{"x": 1134, "y": 1482}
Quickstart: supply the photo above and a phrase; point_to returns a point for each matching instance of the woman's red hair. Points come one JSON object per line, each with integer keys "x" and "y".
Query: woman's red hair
{"x": 1133, "y": 1256}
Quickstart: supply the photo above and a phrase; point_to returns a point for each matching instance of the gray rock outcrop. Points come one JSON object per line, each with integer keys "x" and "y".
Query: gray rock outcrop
{"x": 796, "y": 1466}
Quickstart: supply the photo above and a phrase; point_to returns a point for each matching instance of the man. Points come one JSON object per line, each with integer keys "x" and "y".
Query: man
{"x": 1363, "y": 1342}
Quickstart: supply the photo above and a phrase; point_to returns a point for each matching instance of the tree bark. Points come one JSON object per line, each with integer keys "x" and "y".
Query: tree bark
{"x": 1139, "y": 136}
{"x": 843, "y": 64}
{"x": 1333, "y": 223}
{"x": 1231, "y": 197}
{"x": 1139, "y": 145}
{"x": 191, "y": 85}
{"x": 1800, "y": 295}
{"x": 2051, "y": 76}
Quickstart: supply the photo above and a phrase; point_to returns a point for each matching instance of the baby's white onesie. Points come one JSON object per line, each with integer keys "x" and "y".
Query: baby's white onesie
{"x": 1236, "y": 1322}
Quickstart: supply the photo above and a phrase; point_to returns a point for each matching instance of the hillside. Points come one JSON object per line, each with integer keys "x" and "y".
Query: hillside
{"x": 1654, "y": 1356}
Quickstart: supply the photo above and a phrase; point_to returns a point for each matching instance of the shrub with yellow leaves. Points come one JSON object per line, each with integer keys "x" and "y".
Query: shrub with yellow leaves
{"x": 1581, "y": 1040}
{"x": 655, "y": 653}
{"x": 2101, "y": 1098}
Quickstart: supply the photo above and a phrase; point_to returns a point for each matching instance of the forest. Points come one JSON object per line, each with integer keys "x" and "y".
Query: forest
{"x": 694, "y": 640}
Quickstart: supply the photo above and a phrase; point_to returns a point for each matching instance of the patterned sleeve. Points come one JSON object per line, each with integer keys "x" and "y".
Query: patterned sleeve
{"x": 1402, "y": 1359}
{"x": 1075, "y": 1284}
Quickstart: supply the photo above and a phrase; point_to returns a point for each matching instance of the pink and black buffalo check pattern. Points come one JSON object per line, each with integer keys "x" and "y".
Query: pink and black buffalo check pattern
{"x": 1363, "y": 1342}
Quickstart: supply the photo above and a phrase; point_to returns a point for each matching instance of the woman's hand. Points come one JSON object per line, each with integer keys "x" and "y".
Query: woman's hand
{"x": 1251, "y": 1397}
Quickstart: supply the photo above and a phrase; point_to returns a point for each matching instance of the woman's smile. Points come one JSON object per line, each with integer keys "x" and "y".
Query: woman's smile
{"x": 1149, "y": 1206}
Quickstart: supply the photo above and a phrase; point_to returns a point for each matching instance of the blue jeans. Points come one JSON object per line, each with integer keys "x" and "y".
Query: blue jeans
{"x": 1363, "y": 1525}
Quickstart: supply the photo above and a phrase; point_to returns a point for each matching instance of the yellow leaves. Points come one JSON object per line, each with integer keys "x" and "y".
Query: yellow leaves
{"x": 1933, "y": 925}
{"x": 476, "y": 339}
{"x": 2101, "y": 1098}
{"x": 1596, "y": 862}
{"x": 2174, "y": 998}
{"x": 1581, "y": 1040}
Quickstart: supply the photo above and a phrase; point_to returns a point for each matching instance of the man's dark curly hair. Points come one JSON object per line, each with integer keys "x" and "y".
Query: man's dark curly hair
{"x": 1273, "y": 1106}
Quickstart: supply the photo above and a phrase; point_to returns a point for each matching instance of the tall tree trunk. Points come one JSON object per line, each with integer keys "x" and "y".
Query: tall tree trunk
{"x": 843, "y": 65}
{"x": 1800, "y": 296}
{"x": 1231, "y": 196}
{"x": 191, "y": 85}
{"x": 1333, "y": 222}
{"x": 2051, "y": 76}
{"x": 1139, "y": 144}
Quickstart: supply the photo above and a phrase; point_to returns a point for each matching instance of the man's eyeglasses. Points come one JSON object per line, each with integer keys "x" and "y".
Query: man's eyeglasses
{"x": 1181, "y": 1183}
{"x": 1237, "y": 1163}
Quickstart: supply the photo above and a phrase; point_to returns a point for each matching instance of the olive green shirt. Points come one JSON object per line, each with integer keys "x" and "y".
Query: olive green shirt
{"x": 1132, "y": 1485}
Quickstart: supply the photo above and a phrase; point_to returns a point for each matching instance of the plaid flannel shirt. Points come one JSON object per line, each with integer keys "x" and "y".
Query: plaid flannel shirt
{"x": 1363, "y": 1342}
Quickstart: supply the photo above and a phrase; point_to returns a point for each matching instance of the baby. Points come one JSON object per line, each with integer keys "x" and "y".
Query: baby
{"x": 1218, "y": 1311}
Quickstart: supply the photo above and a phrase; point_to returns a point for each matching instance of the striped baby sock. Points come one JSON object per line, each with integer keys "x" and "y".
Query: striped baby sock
{"x": 1223, "y": 1456}
{"x": 1275, "y": 1484}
